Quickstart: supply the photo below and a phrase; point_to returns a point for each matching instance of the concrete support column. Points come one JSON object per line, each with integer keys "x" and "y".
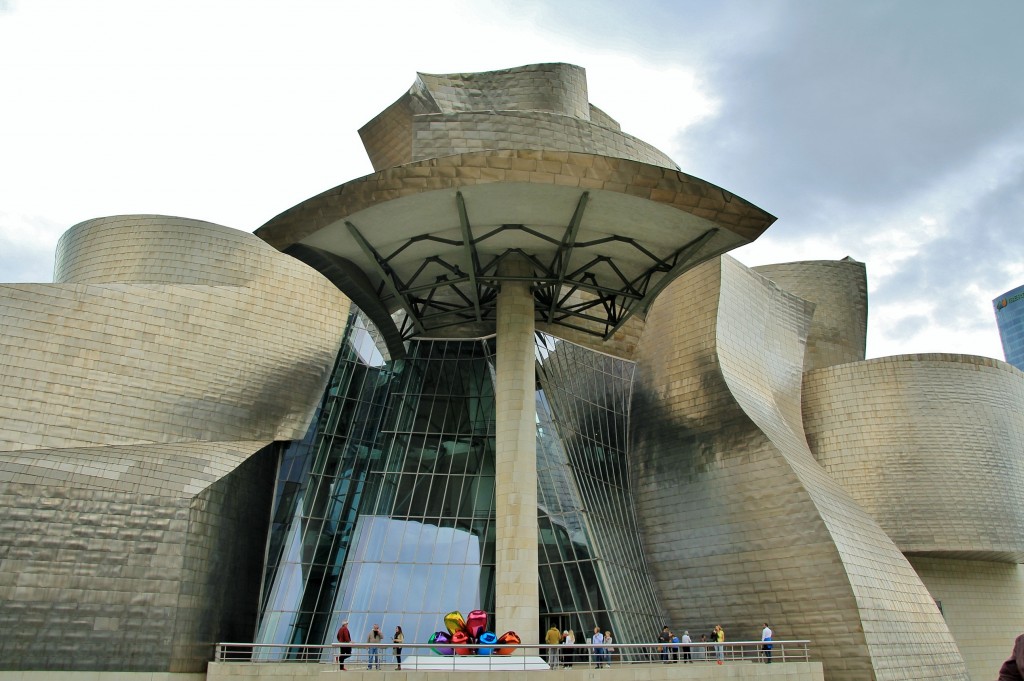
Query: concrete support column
{"x": 516, "y": 593}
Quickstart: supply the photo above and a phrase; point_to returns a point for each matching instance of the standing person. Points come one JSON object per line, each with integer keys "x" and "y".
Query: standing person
{"x": 702, "y": 652}
{"x": 686, "y": 647}
{"x": 568, "y": 652}
{"x": 598, "y": 641}
{"x": 719, "y": 645}
{"x": 766, "y": 643}
{"x": 608, "y": 650}
{"x": 344, "y": 636}
{"x": 374, "y": 638}
{"x": 552, "y": 639}
{"x": 665, "y": 637}
{"x": 398, "y": 639}
{"x": 1013, "y": 669}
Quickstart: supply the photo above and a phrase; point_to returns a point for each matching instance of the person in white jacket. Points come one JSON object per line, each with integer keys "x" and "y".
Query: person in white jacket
{"x": 686, "y": 641}
{"x": 766, "y": 644}
{"x": 568, "y": 651}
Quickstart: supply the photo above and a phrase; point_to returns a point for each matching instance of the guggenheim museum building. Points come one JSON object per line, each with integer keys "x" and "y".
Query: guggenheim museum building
{"x": 513, "y": 369}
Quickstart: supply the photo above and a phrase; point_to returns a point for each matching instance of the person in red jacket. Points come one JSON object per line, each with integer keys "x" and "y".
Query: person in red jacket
{"x": 344, "y": 637}
{"x": 1013, "y": 669}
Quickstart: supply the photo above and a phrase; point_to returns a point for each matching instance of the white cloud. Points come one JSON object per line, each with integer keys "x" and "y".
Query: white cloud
{"x": 920, "y": 232}
{"x": 931, "y": 332}
{"x": 233, "y": 111}
{"x": 27, "y": 247}
{"x": 655, "y": 102}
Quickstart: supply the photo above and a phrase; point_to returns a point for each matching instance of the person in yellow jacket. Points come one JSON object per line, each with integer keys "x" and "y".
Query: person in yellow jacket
{"x": 552, "y": 639}
{"x": 719, "y": 643}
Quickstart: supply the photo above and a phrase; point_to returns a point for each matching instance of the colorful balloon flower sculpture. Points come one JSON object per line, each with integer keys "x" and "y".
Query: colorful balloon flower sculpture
{"x": 466, "y": 631}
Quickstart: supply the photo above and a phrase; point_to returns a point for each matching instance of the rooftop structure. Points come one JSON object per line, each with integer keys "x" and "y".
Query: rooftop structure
{"x": 603, "y": 221}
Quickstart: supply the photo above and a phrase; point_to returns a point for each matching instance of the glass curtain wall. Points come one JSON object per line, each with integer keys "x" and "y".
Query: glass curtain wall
{"x": 385, "y": 512}
{"x": 591, "y": 562}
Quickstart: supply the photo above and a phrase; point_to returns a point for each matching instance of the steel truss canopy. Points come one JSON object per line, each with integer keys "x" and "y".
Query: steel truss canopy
{"x": 429, "y": 241}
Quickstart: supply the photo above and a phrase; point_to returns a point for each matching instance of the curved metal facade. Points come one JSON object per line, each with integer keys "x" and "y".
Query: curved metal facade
{"x": 142, "y": 396}
{"x": 742, "y": 525}
{"x": 914, "y": 437}
{"x": 930, "y": 446}
{"x": 540, "y": 106}
{"x": 839, "y": 290}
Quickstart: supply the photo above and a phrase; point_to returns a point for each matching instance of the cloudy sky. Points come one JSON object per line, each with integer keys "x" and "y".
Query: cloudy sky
{"x": 892, "y": 132}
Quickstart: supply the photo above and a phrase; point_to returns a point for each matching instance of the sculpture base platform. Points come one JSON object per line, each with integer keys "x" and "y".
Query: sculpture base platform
{"x": 475, "y": 663}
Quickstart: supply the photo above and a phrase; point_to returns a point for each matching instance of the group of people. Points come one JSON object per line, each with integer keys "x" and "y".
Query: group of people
{"x": 563, "y": 652}
{"x": 375, "y": 639}
{"x": 673, "y": 644}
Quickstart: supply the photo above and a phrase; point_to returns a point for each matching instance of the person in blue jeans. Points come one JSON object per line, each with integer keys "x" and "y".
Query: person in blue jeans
{"x": 598, "y": 641}
{"x": 665, "y": 638}
{"x": 375, "y": 637}
{"x": 766, "y": 643}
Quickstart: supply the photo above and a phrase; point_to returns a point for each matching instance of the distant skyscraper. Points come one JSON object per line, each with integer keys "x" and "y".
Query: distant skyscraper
{"x": 1010, "y": 319}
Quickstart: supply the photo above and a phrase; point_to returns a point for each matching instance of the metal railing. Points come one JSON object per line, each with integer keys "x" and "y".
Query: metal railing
{"x": 420, "y": 656}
